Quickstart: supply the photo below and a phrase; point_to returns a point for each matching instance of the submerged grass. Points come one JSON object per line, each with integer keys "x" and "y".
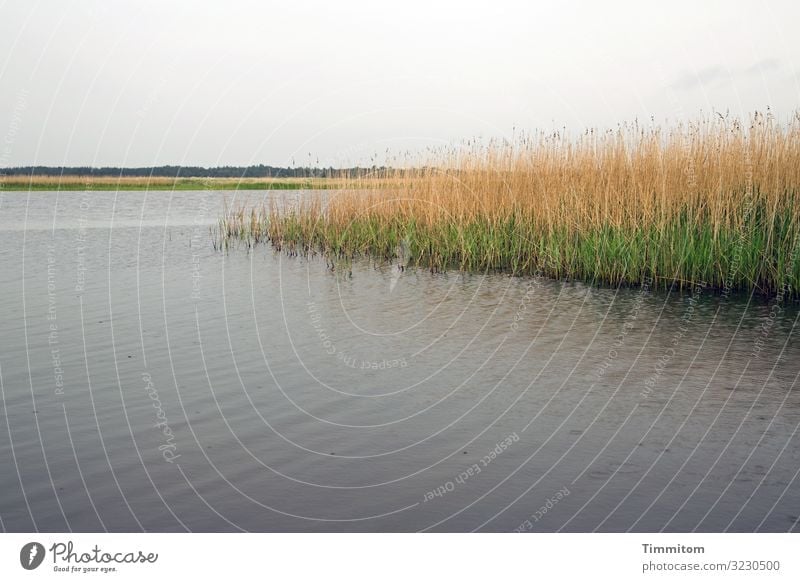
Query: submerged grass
{"x": 712, "y": 202}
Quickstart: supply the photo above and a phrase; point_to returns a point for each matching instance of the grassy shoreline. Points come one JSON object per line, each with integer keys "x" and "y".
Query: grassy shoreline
{"x": 680, "y": 255}
{"x": 18, "y": 183}
{"x": 713, "y": 203}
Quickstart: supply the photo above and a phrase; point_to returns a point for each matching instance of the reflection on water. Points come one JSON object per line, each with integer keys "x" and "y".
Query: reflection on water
{"x": 149, "y": 383}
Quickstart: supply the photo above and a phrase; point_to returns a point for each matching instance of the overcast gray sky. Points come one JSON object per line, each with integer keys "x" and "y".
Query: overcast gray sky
{"x": 244, "y": 82}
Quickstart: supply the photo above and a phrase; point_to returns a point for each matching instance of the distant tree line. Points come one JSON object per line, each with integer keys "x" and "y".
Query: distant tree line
{"x": 259, "y": 171}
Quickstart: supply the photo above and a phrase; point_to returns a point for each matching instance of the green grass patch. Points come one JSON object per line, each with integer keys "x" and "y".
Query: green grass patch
{"x": 761, "y": 254}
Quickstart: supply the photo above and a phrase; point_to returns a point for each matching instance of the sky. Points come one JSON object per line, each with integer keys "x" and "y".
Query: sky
{"x": 346, "y": 82}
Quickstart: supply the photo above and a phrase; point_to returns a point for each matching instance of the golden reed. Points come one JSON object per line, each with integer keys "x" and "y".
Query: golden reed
{"x": 712, "y": 202}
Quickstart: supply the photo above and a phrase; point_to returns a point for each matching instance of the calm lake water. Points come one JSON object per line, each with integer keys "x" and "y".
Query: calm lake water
{"x": 151, "y": 383}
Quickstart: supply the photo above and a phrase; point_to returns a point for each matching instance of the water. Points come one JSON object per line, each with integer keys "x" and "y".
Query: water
{"x": 151, "y": 383}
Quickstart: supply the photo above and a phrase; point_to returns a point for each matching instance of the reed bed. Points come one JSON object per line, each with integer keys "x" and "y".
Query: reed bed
{"x": 711, "y": 202}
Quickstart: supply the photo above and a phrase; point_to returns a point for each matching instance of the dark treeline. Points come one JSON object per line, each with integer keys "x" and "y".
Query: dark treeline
{"x": 259, "y": 171}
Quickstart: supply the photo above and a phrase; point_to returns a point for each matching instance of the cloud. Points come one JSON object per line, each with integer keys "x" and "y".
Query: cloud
{"x": 701, "y": 78}
{"x": 763, "y": 66}
{"x": 716, "y": 73}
